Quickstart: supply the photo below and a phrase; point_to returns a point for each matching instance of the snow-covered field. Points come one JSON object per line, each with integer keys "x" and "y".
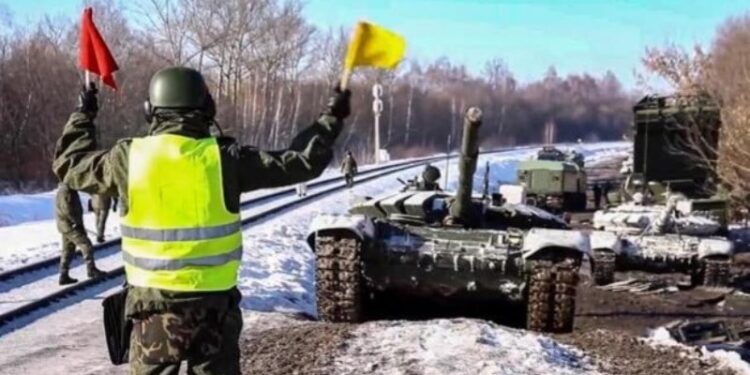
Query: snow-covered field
{"x": 277, "y": 275}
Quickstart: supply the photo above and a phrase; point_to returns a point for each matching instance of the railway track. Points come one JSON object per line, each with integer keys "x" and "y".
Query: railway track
{"x": 31, "y": 270}
{"x": 26, "y": 313}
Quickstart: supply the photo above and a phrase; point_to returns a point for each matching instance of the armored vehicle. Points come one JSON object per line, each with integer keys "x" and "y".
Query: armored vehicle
{"x": 669, "y": 238}
{"x": 555, "y": 180}
{"x": 446, "y": 247}
{"x": 664, "y": 127}
{"x": 669, "y": 220}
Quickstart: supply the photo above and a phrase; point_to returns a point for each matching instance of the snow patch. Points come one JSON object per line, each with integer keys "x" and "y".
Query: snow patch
{"x": 455, "y": 346}
{"x": 723, "y": 358}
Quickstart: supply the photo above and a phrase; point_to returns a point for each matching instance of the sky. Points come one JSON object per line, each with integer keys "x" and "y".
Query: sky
{"x": 575, "y": 36}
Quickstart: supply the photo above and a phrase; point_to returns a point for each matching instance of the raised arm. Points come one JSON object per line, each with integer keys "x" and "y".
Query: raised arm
{"x": 78, "y": 163}
{"x": 308, "y": 155}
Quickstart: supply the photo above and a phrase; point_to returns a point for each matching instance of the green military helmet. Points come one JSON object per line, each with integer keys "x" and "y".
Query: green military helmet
{"x": 179, "y": 87}
{"x": 430, "y": 174}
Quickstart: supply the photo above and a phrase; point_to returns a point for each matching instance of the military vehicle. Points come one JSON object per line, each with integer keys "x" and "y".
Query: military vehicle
{"x": 447, "y": 247}
{"x": 660, "y": 149}
{"x": 555, "y": 180}
{"x": 712, "y": 334}
{"x": 669, "y": 221}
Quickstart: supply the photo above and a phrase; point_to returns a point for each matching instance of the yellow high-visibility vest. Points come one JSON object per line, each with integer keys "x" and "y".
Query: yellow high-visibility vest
{"x": 177, "y": 234}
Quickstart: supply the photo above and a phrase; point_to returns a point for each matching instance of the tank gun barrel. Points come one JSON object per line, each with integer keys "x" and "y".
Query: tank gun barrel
{"x": 462, "y": 209}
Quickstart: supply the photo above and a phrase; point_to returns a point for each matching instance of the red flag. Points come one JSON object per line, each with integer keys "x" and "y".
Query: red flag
{"x": 94, "y": 55}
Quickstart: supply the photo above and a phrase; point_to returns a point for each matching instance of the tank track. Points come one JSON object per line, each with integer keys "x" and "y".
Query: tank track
{"x": 603, "y": 267}
{"x": 339, "y": 283}
{"x": 552, "y": 295}
{"x": 714, "y": 272}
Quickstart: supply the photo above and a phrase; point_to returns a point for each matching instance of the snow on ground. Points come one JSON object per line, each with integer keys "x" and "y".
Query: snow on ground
{"x": 19, "y": 247}
{"x": 456, "y": 346}
{"x": 725, "y": 359}
{"x": 34, "y": 241}
{"x": 277, "y": 274}
{"x": 23, "y": 208}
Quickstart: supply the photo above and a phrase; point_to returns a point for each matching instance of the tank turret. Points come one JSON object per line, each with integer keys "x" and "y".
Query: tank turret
{"x": 462, "y": 209}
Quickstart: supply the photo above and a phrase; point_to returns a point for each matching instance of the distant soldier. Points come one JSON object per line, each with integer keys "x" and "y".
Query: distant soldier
{"x": 101, "y": 204}
{"x": 430, "y": 178}
{"x": 597, "y": 195}
{"x": 69, "y": 217}
{"x": 349, "y": 168}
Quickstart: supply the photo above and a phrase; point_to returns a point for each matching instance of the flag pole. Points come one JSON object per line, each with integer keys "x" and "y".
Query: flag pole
{"x": 345, "y": 79}
{"x": 86, "y": 78}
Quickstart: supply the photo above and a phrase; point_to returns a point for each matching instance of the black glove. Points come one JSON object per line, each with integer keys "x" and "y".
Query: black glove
{"x": 339, "y": 104}
{"x": 87, "y": 101}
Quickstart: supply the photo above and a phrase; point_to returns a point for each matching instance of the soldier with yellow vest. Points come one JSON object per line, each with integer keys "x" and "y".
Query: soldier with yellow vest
{"x": 180, "y": 192}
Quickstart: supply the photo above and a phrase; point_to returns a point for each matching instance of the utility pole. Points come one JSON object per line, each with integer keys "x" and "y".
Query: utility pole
{"x": 377, "y": 109}
{"x": 447, "y": 161}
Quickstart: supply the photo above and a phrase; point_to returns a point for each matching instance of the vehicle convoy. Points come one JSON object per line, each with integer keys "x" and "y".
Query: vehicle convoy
{"x": 555, "y": 180}
{"x": 448, "y": 247}
{"x": 669, "y": 219}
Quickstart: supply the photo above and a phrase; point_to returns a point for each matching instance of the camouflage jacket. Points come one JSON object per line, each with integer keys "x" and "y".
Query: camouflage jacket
{"x": 68, "y": 210}
{"x": 82, "y": 167}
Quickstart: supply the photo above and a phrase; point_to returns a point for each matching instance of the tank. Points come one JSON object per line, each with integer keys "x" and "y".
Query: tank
{"x": 670, "y": 237}
{"x": 555, "y": 180}
{"x": 448, "y": 247}
{"x": 671, "y": 218}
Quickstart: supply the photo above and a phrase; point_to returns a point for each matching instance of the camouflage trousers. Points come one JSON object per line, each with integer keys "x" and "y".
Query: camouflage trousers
{"x": 206, "y": 337}
{"x": 349, "y": 177}
{"x": 101, "y": 223}
{"x": 72, "y": 240}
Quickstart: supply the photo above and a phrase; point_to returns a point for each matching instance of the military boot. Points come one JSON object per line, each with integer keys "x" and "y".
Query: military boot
{"x": 93, "y": 272}
{"x": 65, "y": 278}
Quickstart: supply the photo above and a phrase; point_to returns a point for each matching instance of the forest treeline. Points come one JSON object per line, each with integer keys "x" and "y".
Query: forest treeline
{"x": 271, "y": 73}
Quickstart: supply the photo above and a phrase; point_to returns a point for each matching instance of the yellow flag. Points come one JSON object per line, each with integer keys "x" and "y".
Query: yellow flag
{"x": 372, "y": 45}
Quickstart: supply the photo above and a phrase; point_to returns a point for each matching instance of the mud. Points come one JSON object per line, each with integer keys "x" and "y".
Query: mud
{"x": 609, "y": 327}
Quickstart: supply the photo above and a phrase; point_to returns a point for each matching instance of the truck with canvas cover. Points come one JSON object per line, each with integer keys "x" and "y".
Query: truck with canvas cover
{"x": 554, "y": 180}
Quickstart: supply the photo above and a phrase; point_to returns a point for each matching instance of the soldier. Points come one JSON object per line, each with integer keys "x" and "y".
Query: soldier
{"x": 430, "y": 178}
{"x": 101, "y": 204}
{"x": 69, "y": 217}
{"x": 181, "y": 236}
{"x": 349, "y": 168}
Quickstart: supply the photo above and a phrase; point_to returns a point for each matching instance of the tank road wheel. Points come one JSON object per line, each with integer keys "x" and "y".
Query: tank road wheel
{"x": 339, "y": 286}
{"x": 603, "y": 267}
{"x": 713, "y": 271}
{"x": 551, "y": 296}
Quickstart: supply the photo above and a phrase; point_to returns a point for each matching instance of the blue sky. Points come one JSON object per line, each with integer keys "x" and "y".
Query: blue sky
{"x": 574, "y": 35}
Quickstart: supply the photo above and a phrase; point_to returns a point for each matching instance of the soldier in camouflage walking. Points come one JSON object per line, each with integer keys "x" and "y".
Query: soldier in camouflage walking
{"x": 101, "y": 204}
{"x": 69, "y": 218}
{"x": 179, "y": 189}
{"x": 349, "y": 168}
